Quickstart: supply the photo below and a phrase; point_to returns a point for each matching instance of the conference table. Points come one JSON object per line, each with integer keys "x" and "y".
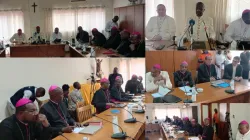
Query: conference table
{"x": 154, "y": 45}
{"x": 134, "y": 130}
{"x": 53, "y": 50}
{"x": 211, "y": 94}
{"x": 2, "y": 53}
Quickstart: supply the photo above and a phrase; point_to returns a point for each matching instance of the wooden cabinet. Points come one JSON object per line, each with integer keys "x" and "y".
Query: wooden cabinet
{"x": 131, "y": 18}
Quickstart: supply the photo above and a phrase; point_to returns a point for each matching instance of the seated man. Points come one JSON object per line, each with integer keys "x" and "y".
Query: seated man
{"x": 244, "y": 132}
{"x": 183, "y": 77}
{"x": 57, "y": 113}
{"x": 29, "y": 92}
{"x": 157, "y": 78}
{"x": 37, "y": 36}
{"x": 132, "y": 85}
{"x": 186, "y": 124}
{"x": 195, "y": 129}
{"x": 161, "y": 27}
{"x": 56, "y": 37}
{"x": 123, "y": 47}
{"x": 238, "y": 30}
{"x": 65, "y": 89}
{"x": 99, "y": 39}
{"x": 168, "y": 120}
{"x": 206, "y": 71}
{"x": 26, "y": 123}
{"x": 101, "y": 100}
{"x": 74, "y": 97}
{"x": 114, "y": 40}
{"x": 137, "y": 45}
{"x": 208, "y": 131}
{"x": 18, "y": 37}
{"x": 82, "y": 36}
{"x": 116, "y": 93}
{"x": 234, "y": 70}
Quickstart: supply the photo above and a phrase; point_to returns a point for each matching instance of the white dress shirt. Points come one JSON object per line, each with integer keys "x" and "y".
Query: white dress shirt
{"x": 162, "y": 26}
{"x": 19, "y": 38}
{"x": 199, "y": 33}
{"x": 151, "y": 86}
{"x": 55, "y": 36}
{"x": 239, "y": 136}
{"x": 109, "y": 26}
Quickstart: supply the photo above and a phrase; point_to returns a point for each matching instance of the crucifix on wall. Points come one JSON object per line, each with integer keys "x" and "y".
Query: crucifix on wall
{"x": 34, "y": 5}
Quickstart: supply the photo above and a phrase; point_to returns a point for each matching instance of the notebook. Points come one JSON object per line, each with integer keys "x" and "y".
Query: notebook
{"x": 92, "y": 128}
{"x": 161, "y": 92}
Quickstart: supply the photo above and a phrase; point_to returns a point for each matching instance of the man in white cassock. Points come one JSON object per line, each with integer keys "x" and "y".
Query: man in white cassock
{"x": 157, "y": 78}
{"x": 202, "y": 25}
{"x": 161, "y": 27}
{"x": 239, "y": 30}
{"x": 244, "y": 132}
{"x": 56, "y": 36}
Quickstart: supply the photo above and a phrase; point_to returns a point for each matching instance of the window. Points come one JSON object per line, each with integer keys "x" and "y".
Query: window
{"x": 151, "y": 7}
{"x": 170, "y": 112}
{"x": 10, "y": 22}
{"x": 235, "y": 9}
{"x": 68, "y": 20}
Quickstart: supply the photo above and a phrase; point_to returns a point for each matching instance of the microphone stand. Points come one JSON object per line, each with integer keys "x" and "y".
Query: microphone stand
{"x": 175, "y": 45}
{"x": 192, "y": 33}
{"x": 131, "y": 120}
{"x": 121, "y": 135}
{"x": 179, "y": 47}
{"x": 142, "y": 111}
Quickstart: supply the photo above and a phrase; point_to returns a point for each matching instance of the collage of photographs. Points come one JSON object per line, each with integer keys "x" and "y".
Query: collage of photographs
{"x": 125, "y": 69}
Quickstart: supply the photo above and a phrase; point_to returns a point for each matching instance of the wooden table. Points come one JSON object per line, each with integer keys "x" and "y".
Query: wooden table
{"x": 214, "y": 95}
{"x": 2, "y": 53}
{"x": 74, "y": 52}
{"x": 152, "y": 45}
{"x": 43, "y": 50}
{"x": 135, "y": 130}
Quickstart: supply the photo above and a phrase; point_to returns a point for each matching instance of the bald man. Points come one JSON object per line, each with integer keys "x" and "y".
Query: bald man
{"x": 18, "y": 37}
{"x": 161, "y": 27}
{"x": 202, "y": 24}
{"x": 239, "y": 30}
{"x": 208, "y": 131}
{"x": 157, "y": 78}
{"x": 183, "y": 77}
{"x": 57, "y": 113}
{"x": 244, "y": 132}
{"x": 207, "y": 71}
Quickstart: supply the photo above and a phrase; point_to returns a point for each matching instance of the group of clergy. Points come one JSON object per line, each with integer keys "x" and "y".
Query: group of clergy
{"x": 122, "y": 42}
{"x": 162, "y": 27}
{"x": 206, "y": 72}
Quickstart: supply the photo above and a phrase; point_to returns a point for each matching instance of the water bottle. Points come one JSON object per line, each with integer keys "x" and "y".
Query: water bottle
{"x": 232, "y": 84}
{"x": 139, "y": 105}
{"x": 115, "y": 127}
{"x": 130, "y": 111}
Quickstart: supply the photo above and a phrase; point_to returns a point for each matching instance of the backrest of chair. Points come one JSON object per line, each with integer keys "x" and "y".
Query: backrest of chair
{"x": 84, "y": 113}
{"x": 80, "y": 104}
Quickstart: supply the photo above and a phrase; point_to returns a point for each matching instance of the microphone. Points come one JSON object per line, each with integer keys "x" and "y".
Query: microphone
{"x": 207, "y": 35}
{"x": 121, "y": 135}
{"x": 192, "y": 23}
{"x": 185, "y": 90}
{"x": 142, "y": 111}
{"x": 61, "y": 134}
{"x": 179, "y": 46}
{"x": 131, "y": 120}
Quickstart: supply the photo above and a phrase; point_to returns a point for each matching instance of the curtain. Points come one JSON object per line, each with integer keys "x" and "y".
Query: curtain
{"x": 187, "y": 112}
{"x": 235, "y": 9}
{"x": 161, "y": 113}
{"x": 151, "y": 7}
{"x": 48, "y": 23}
{"x": 10, "y": 22}
{"x": 220, "y": 13}
{"x": 68, "y": 20}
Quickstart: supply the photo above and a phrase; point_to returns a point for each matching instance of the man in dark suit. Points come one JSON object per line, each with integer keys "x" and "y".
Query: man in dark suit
{"x": 116, "y": 93}
{"x": 206, "y": 71}
{"x": 99, "y": 39}
{"x": 234, "y": 70}
{"x": 208, "y": 131}
{"x": 244, "y": 62}
{"x": 113, "y": 76}
{"x": 183, "y": 77}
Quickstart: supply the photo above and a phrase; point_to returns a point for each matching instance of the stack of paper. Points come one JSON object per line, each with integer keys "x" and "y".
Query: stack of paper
{"x": 161, "y": 92}
{"x": 187, "y": 90}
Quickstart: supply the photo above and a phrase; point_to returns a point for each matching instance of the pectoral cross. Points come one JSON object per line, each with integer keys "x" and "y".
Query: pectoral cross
{"x": 34, "y": 5}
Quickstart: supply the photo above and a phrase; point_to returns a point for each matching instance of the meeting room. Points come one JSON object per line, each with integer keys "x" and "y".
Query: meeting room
{"x": 216, "y": 121}
{"x": 197, "y": 76}
{"x": 74, "y": 98}
{"x": 197, "y": 24}
{"x": 72, "y": 28}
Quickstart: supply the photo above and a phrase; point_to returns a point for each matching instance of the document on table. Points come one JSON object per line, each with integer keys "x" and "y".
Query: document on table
{"x": 78, "y": 129}
{"x": 186, "y": 90}
{"x": 161, "y": 92}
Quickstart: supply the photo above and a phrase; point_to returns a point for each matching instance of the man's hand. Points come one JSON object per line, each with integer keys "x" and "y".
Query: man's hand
{"x": 132, "y": 47}
{"x": 42, "y": 118}
{"x": 67, "y": 129}
{"x": 237, "y": 78}
{"x": 212, "y": 79}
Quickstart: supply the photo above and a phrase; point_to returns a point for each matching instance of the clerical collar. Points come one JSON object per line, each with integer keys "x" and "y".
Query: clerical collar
{"x": 54, "y": 102}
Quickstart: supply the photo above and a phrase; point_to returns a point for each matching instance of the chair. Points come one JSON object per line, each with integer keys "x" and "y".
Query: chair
{"x": 84, "y": 113}
{"x": 80, "y": 104}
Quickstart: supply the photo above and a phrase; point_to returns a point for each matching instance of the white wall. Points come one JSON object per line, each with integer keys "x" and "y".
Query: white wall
{"x": 37, "y": 19}
{"x": 122, "y": 3}
{"x": 18, "y": 73}
{"x": 238, "y": 112}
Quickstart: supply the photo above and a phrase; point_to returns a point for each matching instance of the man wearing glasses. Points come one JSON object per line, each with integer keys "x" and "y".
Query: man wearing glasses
{"x": 234, "y": 70}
